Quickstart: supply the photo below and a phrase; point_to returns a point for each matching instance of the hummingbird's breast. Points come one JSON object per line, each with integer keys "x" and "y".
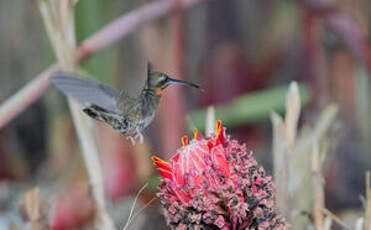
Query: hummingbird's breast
{"x": 137, "y": 122}
{"x": 147, "y": 120}
{"x": 148, "y": 110}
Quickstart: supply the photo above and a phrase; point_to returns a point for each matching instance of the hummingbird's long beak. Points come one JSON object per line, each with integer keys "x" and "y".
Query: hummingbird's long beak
{"x": 175, "y": 81}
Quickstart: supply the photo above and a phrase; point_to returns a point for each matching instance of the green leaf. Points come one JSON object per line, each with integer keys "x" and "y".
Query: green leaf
{"x": 249, "y": 108}
{"x": 154, "y": 182}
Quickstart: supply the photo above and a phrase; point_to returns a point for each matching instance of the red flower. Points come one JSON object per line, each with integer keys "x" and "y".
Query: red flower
{"x": 191, "y": 161}
{"x": 214, "y": 182}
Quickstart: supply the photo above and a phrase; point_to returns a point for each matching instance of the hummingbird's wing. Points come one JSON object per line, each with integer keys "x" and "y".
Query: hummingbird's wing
{"x": 86, "y": 91}
{"x": 125, "y": 102}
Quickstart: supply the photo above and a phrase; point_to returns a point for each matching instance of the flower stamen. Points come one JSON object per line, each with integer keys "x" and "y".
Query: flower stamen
{"x": 185, "y": 141}
{"x": 195, "y": 134}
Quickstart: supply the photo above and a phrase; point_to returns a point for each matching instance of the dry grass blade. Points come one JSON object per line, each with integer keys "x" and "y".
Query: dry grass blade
{"x": 335, "y": 218}
{"x": 32, "y": 204}
{"x": 210, "y": 121}
{"x": 35, "y": 211}
{"x": 133, "y": 206}
{"x": 325, "y": 121}
{"x": 278, "y": 133}
{"x": 280, "y": 162}
{"x": 319, "y": 197}
{"x": 327, "y": 223}
{"x": 144, "y": 207}
{"x": 292, "y": 113}
{"x": 359, "y": 224}
{"x": 367, "y": 218}
{"x": 284, "y": 135}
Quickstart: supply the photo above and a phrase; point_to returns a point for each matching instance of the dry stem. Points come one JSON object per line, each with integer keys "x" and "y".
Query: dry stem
{"x": 34, "y": 210}
{"x": 319, "y": 198}
{"x": 133, "y": 206}
{"x": 126, "y": 24}
{"x": 335, "y": 218}
{"x": 18, "y": 102}
{"x": 367, "y": 220}
{"x": 85, "y": 131}
{"x": 59, "y": 21}
{"x": 327, "y": 223}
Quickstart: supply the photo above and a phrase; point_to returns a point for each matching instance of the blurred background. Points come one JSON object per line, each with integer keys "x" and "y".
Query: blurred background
{"x": 243, "y": 53}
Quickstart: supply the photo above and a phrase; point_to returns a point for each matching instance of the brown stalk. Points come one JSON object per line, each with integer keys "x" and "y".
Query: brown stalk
{"x": 327, "y": 223}
{"x": 127, "y": 23}
{"x": 58, "y": 17}
{"x": 18, "y": 102}
{"x": 335, "y": 218}
{"x": 35, "y": 210}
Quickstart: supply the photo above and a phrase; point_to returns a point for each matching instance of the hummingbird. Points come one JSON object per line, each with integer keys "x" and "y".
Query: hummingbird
{"x": 126, "y": 114}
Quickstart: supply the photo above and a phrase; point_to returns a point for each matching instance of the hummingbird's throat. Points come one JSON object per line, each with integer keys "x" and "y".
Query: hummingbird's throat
{"x": 158, "y": 91}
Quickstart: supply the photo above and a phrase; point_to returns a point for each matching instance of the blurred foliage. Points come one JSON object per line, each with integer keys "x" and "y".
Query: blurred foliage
{"x": 154, "y": 182}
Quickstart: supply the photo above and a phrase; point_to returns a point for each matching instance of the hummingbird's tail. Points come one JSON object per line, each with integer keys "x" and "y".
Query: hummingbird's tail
{"x": 95, "y": 112}
{"x": 115, "y": 120}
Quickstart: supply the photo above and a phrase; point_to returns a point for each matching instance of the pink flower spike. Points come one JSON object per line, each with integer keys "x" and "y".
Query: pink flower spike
{"x": 201, "y": 188}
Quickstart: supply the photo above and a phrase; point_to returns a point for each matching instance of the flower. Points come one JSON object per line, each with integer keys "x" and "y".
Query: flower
{"x": 213, "y": 183}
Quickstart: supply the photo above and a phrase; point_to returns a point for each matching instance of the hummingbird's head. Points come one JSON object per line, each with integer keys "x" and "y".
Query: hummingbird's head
{"x": 159, "y": 81}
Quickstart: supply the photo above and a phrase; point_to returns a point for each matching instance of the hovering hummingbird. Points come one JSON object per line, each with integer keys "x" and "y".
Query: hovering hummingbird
{"x": 124, "y": 113}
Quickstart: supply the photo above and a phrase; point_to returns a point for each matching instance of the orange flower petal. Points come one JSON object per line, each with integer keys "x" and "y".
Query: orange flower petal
{"x": 196, "y": 135}
{"x": 161, "y": 164}
{"x": 219, "y": 138}
{"x": 166, "y": 174}
{"x": 185, "y": 141}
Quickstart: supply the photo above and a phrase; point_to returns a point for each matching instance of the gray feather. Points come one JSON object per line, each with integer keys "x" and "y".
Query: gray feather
{"x": 86, "y": 91}
{"x": 125, "y": 103}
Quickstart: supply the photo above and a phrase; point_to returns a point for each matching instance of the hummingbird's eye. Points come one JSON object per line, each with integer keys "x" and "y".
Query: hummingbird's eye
{"x": 163, "y": 80}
